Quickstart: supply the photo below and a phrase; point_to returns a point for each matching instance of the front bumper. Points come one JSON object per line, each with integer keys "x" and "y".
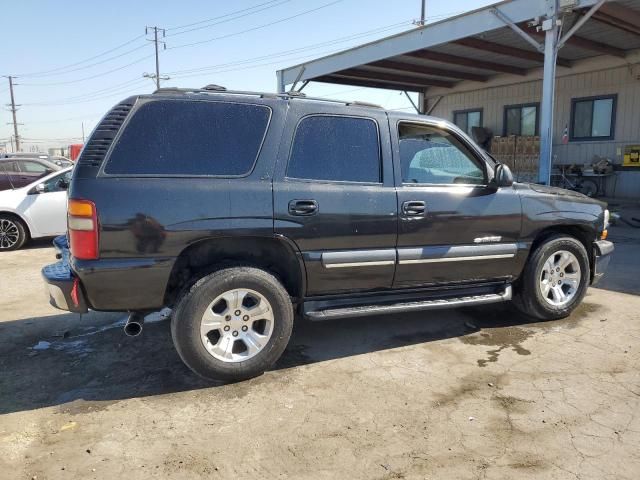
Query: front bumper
{"x": 602, "y": 250}
{"x": 63, "y": 287}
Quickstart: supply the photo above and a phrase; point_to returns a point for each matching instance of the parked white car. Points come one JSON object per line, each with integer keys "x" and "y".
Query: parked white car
{"x": 35, "y": 210}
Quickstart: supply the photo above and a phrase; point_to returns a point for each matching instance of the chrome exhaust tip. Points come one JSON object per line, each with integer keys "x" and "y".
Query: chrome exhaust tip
{"x": 133, "y": 327}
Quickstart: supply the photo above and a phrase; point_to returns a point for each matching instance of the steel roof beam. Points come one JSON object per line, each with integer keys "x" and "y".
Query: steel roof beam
{"x": 367, "y": 83}
{"x": 620, "y": 12}
{"x": 427, "y": 70}
{"x": 586, "y": 44}
{"x": 619, "y": 17}
{"x": 439, "y": 33}
{"x": 506, "y": 50}
{"x": 390, "y": 77}
{"x": 467, "y": 62}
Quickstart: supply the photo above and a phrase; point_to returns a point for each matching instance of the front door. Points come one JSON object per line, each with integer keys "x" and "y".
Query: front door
{"x": 47, "y": 209}
{"x": 334, "y": 197}
{"x": 454, "y": 226}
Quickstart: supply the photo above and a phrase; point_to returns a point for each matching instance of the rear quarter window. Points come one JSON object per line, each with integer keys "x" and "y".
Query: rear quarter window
{"x": 190, "y": 138}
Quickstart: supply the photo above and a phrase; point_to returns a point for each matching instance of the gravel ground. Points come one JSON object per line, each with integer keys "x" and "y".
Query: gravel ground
{"x": 474, "y": 393}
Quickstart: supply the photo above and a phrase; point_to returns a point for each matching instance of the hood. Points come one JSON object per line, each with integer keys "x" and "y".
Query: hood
{"x": 560, "y": 194}
{"x": 555, "y": 191}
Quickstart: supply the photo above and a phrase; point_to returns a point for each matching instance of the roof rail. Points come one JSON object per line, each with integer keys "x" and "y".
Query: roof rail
{"x": 217, "y": 90}
{"x": 357, "y": 103}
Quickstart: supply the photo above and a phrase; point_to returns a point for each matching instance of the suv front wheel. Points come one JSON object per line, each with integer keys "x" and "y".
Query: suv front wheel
{"x": 233, "y": 324}
{"x": 555, "y": 279}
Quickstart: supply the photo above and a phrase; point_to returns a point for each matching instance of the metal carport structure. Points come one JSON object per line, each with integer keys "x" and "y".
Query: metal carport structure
{"x": 512, "y": 37}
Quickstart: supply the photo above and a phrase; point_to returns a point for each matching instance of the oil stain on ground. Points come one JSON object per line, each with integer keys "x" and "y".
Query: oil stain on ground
{"x": 502, "y": 338}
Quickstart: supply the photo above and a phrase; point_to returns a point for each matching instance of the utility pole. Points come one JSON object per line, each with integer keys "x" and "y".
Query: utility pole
{"x": 423, "y": 14}
{"x": 82, "y": 132}
{"x": 156, "y": 43}
{"x": 13, "y": 112}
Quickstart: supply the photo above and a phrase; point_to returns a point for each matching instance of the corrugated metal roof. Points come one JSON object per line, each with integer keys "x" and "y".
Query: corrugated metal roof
{"x": 613, "y": 30}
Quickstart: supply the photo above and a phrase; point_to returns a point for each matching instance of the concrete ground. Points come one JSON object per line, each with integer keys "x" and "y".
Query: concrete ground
{"x": 466, "y": 394}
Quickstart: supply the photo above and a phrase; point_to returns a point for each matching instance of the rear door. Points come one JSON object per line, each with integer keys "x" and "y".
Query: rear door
{"x": 8, "y": 175}
{"x": 30, "y": 171}
{"x": 454, "y": 226}
{"x": 334, "y": 196}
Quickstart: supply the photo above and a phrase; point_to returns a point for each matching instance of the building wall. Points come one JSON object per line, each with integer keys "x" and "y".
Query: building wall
{"x": 599, "y": 77}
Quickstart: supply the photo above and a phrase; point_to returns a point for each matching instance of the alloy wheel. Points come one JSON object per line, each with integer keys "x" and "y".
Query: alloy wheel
{"x": 9, "y": 234}
{"x": 560, "y": 278}
{"x": 237, "y": 325}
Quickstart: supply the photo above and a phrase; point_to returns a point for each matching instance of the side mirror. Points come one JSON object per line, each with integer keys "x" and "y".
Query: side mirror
{"x": 63, "y": 184}
{"x": 41, "y": 188}
{"x": 503, "y": 176}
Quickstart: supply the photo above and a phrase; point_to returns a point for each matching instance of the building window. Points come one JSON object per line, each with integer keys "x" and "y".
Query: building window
{"x": 467, "y": 119}
{"x": 593, "y": 118}
{"x": 521, "y": 119}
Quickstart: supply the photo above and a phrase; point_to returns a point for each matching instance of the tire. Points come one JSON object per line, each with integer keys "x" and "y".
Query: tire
{"x": 531, "y": 295}
{"x": 589, "y": 188}
{"x": 13, "y": 233}
{"x": 216, "y": 355}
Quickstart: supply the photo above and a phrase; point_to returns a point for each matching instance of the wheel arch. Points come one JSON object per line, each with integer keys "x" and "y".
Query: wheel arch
{"x": 585, "y": 235}
{"x": 275, "y": 254}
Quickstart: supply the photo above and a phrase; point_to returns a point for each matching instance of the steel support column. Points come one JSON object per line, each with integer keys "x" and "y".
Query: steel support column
{"x": 280, "y": 82}
{"x": 551, "y": 29}
{"x": 422, "y": 102}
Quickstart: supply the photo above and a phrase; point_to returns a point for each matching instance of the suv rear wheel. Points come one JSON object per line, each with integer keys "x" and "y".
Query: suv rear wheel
{"x": 233, "y": 324}
{"x": 555, "y": 279}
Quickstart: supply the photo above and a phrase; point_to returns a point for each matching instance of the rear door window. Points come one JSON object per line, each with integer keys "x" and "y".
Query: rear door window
{"x": 170, "y": 137}
{"x": 334, "y": 148}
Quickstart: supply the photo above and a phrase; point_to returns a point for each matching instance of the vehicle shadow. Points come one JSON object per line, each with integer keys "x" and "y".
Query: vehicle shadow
{"x": 94, "y": 361}
{"x": 36, "y": 243}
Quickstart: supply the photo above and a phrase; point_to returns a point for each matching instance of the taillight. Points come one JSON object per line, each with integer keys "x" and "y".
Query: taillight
{"x": 82, "y": 221}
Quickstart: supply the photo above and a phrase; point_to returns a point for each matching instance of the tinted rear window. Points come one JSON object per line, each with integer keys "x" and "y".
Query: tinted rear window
{"x": 190, "y": 138}
{"x": 336, "y": 148}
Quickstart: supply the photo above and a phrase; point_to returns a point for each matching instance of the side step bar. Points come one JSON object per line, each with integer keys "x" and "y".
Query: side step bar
{"x": 433, "y": 304}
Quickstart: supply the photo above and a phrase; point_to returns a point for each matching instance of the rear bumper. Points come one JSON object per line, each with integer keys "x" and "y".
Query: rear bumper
{"x": 63, "y": 287}
{"x": 602, "y": 251}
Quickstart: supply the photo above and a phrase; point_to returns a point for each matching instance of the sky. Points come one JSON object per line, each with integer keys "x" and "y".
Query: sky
{"x": 75, "y": 59}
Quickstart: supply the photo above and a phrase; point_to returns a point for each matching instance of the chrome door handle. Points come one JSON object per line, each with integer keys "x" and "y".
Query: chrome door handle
{"x": 414, "y": 208}
{"x": 303, "y": 208}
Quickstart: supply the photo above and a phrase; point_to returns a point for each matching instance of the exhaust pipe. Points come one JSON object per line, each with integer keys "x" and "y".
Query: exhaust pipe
{"x": 133, "y": 327}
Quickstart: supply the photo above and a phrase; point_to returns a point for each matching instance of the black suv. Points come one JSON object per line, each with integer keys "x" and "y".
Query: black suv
{"x": 241, "y": 211}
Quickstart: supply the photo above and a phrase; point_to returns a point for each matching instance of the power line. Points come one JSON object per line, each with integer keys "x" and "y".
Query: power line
{"x": 90, "y": 95}
{"x": 237, "y": 17}
{"x": 66, "y": 72}
{"x": 259, "y": 26}
{"x": 221, "y": 16}
{"x": 43, "y": 72}
{"x": 295, "y": 50}
{"x": 93, "y": 76}
{"x": 89, "y": 99}
{"x": 58, "y": 120}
